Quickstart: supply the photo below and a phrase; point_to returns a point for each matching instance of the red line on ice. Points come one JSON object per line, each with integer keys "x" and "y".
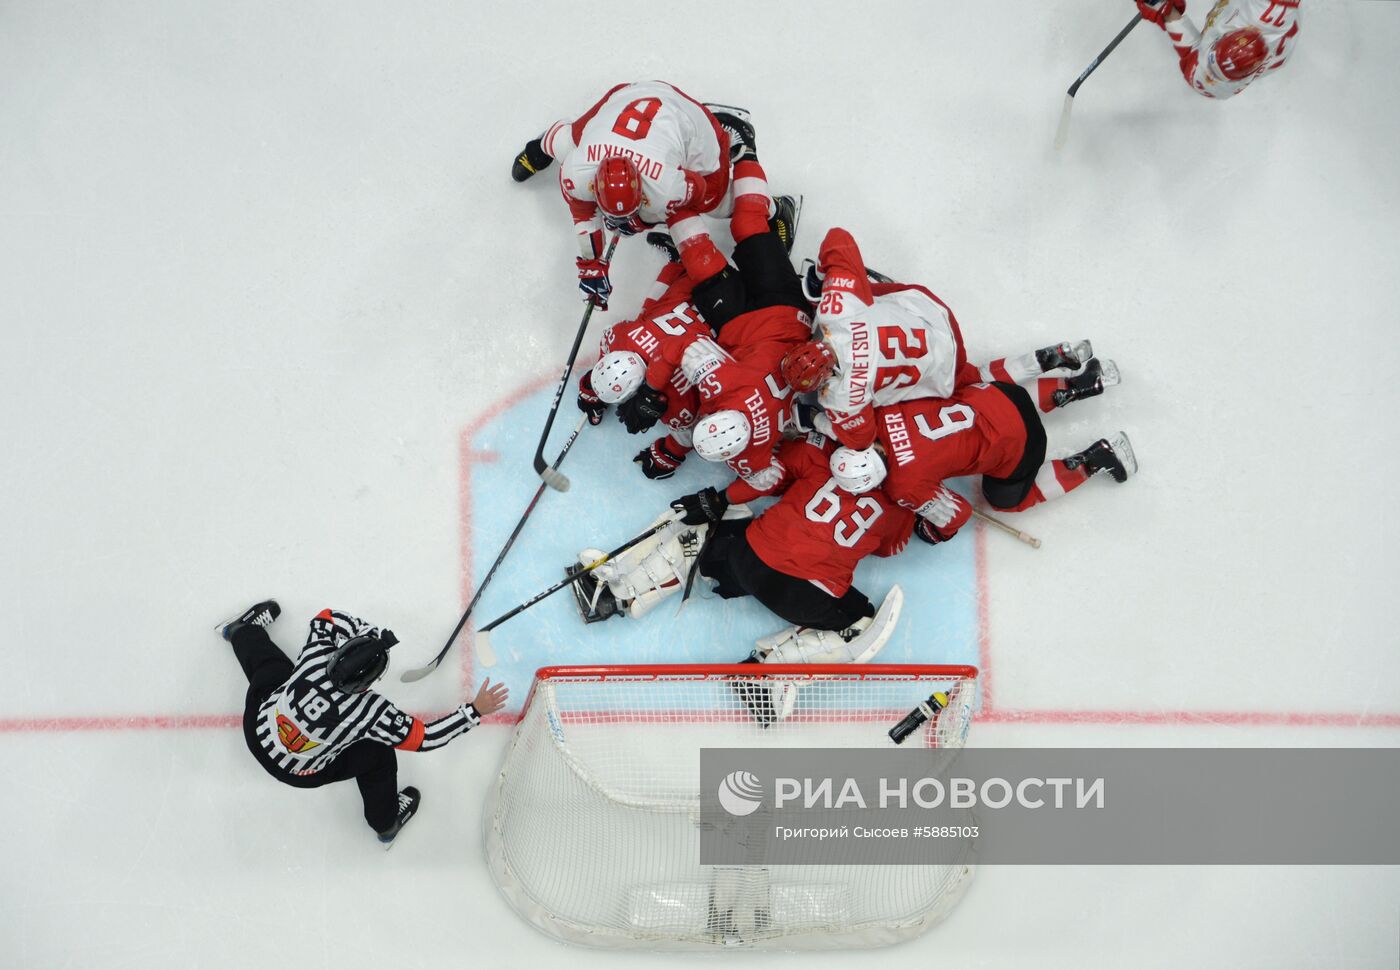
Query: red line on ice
{"x": 468, "y": 455}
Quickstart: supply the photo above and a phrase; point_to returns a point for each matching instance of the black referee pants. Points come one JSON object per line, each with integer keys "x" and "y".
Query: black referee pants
{"x": 373, "y": 765}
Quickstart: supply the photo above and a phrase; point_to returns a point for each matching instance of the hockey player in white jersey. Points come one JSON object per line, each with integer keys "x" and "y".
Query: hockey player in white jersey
{"x": 1242, "y": 40}
{"x": 877, "y": 344}
{"x": 646, "y": 154}
{"x": 317, "y": 721}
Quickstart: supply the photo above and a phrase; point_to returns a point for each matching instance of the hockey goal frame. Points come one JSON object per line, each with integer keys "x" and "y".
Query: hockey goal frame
{"x": 556, "y": 716}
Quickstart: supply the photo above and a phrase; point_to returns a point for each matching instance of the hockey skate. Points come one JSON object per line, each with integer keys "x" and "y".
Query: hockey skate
{"x": 1090, "y": 382}
{"x": 409, "y": 800}
{"x": 662, "y": 241}
{"x": 1065, "y": 356}
{"x": 739, "y": 124}
{"x": 785, "y": 218}
{"x": 756, "y": 696}
{"x": 595, "y": 600}
{"x": 1113, "y": 455}
{"x": 531, "y": 161}
{"x": 260, "y": 614}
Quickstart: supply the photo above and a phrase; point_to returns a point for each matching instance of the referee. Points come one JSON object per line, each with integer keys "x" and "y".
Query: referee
{"x": 317, "y": 721}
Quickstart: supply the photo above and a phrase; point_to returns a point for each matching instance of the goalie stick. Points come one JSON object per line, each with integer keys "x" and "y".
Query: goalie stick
{"x": 552, "y": 476}
{"x": 1062, "y": 132}
{"x": 488, "y": 658}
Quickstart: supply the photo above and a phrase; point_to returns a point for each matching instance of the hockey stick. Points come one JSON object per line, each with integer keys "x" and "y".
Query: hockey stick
{"x": 1062, "y": 132}
{"x": 1015, "y": 533}
{"x": 552, "y": 477}
{"x": 569, "y": 577}
{"x": 487, "y": 657}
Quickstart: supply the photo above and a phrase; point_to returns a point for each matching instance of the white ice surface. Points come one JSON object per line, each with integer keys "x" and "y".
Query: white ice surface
{"x": 262, "y": 265}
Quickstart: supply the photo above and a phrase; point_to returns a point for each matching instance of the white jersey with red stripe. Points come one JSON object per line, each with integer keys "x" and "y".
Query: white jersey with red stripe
{"x": 1276, "y": 20}
{"x": 680, "y": 150}
{"x": 892, "y": 342}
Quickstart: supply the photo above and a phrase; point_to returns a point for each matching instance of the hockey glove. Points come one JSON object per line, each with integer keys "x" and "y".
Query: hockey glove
{"x": 624, "y": 225}
{"x": 706, "y": 505}
{"x": 1161, "y": 11}
{"x": 593, "y": 280}
{"x": 642, "y": 410}
{"x": 658, "y": 461}
{"x": 811, "y": 281}
{"x": 804, "y": 416}
{"x": 588, "y": 402}
{"x": 930, "y": 533}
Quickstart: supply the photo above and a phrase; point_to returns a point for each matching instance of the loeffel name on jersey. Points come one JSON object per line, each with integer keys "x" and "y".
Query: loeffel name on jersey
{"x": 647, "y": 167}
{"x": 898, "y": 434}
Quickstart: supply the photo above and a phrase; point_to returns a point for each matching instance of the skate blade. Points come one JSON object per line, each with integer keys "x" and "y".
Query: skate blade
{"x": 1123, "y": 449}
{"x": 1108, "y": 374}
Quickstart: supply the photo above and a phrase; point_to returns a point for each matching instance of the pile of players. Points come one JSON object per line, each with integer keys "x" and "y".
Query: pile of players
{"x": 842, "y": 393}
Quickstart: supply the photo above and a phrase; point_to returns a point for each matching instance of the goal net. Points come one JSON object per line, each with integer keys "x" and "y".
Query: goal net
{"x": 592, "y": 827}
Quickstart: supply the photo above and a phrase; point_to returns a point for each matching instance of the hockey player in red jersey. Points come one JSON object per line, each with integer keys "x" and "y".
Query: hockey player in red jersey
{"x": 798, "y": 558}
{"x": 632, "y": 353}
{"x": 317, "y": 721}
{"x": 993, "y": 430}
{"x": 1242, "y": 40}
{"x": 646, "y": 154}
{"x": 880, "y": 343}
{"x": 743, "y": 401}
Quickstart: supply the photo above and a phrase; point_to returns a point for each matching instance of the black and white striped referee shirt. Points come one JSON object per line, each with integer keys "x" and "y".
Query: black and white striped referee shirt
{"x": 306, "y": 722}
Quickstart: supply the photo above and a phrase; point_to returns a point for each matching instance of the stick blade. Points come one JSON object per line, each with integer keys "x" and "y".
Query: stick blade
{"x": 485, "y": 652}
{"x": 555, "y": 479}
{"x": 1062, "y": 132}
{"x": 418, "y": 673}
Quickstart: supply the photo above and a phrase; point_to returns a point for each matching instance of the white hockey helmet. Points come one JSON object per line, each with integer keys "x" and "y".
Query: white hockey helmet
{"x": 857, "y": 471}
{"x": 722, "y": 435}
{"x": 617, "y": 375}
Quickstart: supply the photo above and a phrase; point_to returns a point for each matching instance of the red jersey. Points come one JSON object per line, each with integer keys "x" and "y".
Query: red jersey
{"x": 666, "y": 321}
{"x": 742, "y": 371}
{"x": 818, "y": 531}
{"x": 977, "y": 431}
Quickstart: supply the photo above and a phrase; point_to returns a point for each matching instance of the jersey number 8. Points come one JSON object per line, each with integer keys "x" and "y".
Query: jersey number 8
{"x": 635, "y": 120}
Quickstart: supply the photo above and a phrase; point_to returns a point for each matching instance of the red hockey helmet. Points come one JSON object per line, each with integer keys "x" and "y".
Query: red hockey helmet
{"x": 618, "y": 186}
{"x": 1239, "y": 54}
{"x": 807, "y": 366}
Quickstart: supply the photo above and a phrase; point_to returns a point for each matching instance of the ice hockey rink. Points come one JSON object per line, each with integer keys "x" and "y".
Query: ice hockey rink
{"x": 278, "y": 323}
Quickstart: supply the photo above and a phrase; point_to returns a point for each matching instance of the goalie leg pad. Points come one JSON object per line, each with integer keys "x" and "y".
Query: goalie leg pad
{"x": 858, "y": 643}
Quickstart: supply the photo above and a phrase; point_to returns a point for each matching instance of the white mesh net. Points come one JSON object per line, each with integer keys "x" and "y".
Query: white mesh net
{"x": 592, "y": 833}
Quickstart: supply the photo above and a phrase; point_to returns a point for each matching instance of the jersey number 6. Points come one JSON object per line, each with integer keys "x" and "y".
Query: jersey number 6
{"x": 951, "y": 420}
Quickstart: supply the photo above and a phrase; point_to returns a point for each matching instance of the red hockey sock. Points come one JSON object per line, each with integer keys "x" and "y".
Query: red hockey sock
{"x": 752, "y": 201}
{"x": 1052, "y": 480}
{"x": 1045, "y": 389}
